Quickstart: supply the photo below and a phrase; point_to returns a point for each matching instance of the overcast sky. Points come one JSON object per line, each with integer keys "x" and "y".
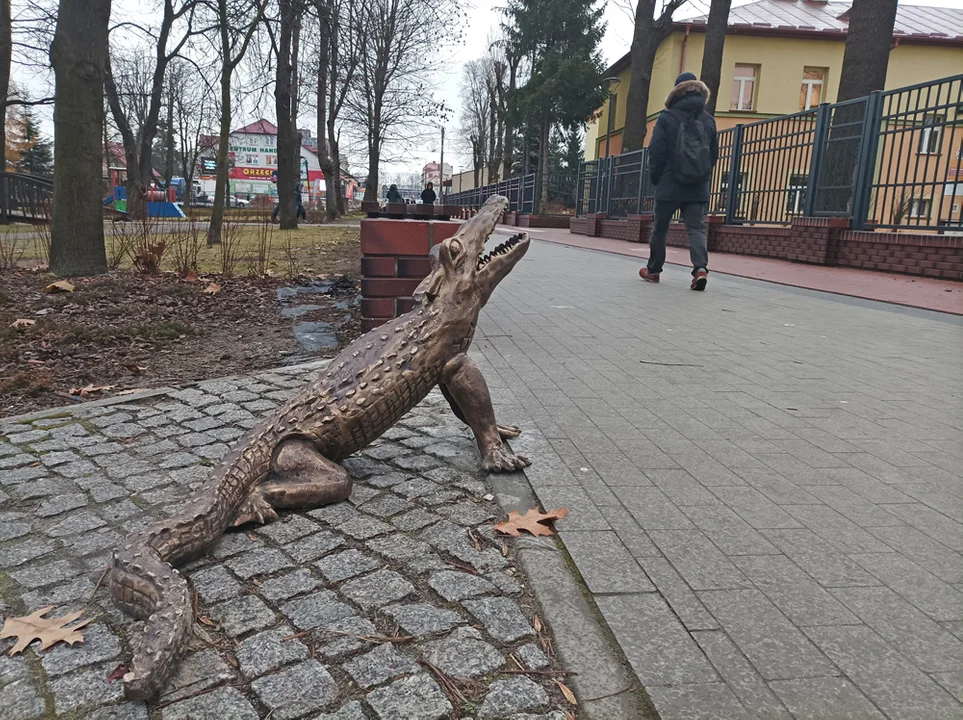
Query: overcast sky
{"x": 484, "y": 18}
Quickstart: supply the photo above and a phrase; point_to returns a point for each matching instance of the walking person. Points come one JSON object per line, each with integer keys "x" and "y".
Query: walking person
{"x": 428, "y": 195}
{"x": 393, "y": 195}
{"x": 302, "y": 213}
{"x": 682, "y": 152}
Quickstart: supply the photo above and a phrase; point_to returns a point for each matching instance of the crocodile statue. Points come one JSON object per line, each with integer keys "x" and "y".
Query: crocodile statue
{"x": 291, "y": 460}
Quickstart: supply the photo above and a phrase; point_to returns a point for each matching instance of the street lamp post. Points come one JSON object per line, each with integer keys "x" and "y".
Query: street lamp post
{"x": 613, "y": 86}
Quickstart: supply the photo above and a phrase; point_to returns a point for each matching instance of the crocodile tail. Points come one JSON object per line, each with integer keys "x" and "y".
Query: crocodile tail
{"x": 150, "y": 589}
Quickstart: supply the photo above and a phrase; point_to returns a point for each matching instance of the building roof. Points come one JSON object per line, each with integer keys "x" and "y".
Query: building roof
{"x": 261, "y": 127}
{"x": 914, "y": 23}
{"x": 917, "y": 22}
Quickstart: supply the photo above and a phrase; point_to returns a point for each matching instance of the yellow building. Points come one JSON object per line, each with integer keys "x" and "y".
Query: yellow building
{"x": 782, "y": 56}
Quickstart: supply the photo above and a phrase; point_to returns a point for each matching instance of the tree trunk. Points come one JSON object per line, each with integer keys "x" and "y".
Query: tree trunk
{"x": 223, "y": 138}
{"x": 326, "y": 68}
{"x": 644, "y": 48}
{"x": 169, "y": 160}
{"x": 543, "y": 162}
{"x": 78, "y": 55}
{"x": 136, "y": 205}
{"x": 335, "y": 139}
{"x": 508, "y": 152}
{"x": 868, "y": 42}
{"x": 716, "y": 26}
{"x": 6, "y": 53}
{"x": 287, "y": 142}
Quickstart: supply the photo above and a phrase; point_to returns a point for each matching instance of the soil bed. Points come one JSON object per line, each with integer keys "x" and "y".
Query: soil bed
{"x": 131, "y": 331}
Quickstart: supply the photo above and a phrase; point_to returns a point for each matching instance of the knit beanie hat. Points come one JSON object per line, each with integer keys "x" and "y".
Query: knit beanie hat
{"x": 685, "y": 77}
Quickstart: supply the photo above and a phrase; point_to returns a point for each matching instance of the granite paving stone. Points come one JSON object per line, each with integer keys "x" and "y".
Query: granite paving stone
{"x": 301, "y": 689}
{"x": 197, "y": 672}
{"x": 346, "y": 564}
{"x": 379, "y": 665}
{"x": 502, "y": 618}
{"x": 453, "y": 585}
{"x": 315, "y": 610}
{"x": 377, "y": 589}
{"x": 416, "y": 698}
{"x": 422, "y": 619}
{"x": 512, "y": 696}
{"x": 464, "y": 654}
{"x": 222, "y": 703}
{"x": 242, "y": 615}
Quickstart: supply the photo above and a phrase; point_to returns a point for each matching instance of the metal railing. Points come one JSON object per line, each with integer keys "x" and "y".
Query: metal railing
{"x": 520, "y": 191}
{"x": 24, "y": 198}
{"x": 893, "y": 159}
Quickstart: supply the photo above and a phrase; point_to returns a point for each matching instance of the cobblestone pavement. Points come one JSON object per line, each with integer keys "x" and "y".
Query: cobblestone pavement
{"x": 764, "y": 482}
{"x": 284, "y": 608}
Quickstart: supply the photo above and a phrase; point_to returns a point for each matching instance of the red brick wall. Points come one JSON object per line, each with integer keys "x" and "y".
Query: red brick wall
{"x": 936, "y": 256}
{"x": 545, "y": 221}
{"x": 586, "y": 224}
{"x": 394, "y": 259}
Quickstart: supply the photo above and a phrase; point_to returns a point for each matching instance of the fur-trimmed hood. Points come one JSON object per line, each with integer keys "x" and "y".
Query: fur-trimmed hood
{"x": 683, "y": 89}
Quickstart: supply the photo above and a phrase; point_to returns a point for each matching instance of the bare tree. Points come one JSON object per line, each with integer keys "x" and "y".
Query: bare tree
{"x": 716, "y": 25}
{"x": 649, "y": 33}
{"x": 286, "y": 48}
{"x": 78, "y": 55}
{"x": 139, "y": 141}
{"x": 236, "y": 23}
{"x": 391, "y": 97}
{"x": 193, "y": 115}
{"x": 6, "y": 56}
{"x": 477, "y": 106}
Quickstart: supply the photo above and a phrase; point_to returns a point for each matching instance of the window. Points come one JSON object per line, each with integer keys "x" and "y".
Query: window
{"x": 813, "y": 82}
{"x": 796, "y": 194}
{"x": 919, "y": 207}
{"x": 724, "y": 191}
{"x": 931, "y": 135}
{"x": 744, "y": 87}
{"x": 271, "y": 161}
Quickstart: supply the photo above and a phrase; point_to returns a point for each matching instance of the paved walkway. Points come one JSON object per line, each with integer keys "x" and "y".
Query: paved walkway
{"x": 765, "y": 482}
{"x": 298, "y": 617}
{"x": 942, "y": 295}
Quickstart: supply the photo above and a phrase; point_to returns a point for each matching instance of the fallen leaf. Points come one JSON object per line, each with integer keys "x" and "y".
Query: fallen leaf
{"x": 36, "y": 362}
{"x": 131, "y": 391}
{"x": 537, "y": 622}
{"x": 134, "y": 368}
{"x": 22, "y": 323}
{"x": 118, "y": 672}
{"x": 49, "y": 631}
{"x": 207, "y": 621}
{"x": 90, "y": 390}
{"x": 567, "y": 692}
{"x": 212, "y": 289}
{"x": 531, "y": 521}
{"x": 191, "y": 276}
{"x": 58, "y": 287}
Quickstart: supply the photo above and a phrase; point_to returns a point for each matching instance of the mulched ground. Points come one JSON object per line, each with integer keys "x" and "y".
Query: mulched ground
{"x": 130, "y": 331}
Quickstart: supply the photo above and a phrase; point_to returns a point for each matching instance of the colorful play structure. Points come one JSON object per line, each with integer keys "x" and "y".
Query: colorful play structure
{"x": 161, "y": 202}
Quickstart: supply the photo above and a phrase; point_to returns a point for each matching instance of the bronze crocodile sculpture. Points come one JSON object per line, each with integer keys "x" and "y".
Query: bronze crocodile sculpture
{"x": 291, "y": 460}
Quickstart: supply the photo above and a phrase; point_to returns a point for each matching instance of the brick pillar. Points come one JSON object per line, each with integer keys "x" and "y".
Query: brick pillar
{"x": 640, "y": 228}
{"x": 714, "y": 225}
{"x": 394, "y": 259}
{"x": 816, "y": 240}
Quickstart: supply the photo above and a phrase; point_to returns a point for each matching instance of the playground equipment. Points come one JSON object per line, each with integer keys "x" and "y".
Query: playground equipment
{"x": 160, "y": 202}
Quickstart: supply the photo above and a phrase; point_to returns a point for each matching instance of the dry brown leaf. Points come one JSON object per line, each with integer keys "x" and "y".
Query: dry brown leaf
{"x": 131, "y": 391}
{"x": 90, "y": 389}
{"x": 191, "y": 276}
{"x": 58, "y": 287}
{"x": 530, "y": 522}
{"x": 22, "y": 323}
{"x": 537, "y": 622}
{"x": 134, "y": 368}
{"x": 207, "y": 621}
{"x": 567, "y": 692}
{"x": 212, "y": 289}
{"x": 48, "y": 631}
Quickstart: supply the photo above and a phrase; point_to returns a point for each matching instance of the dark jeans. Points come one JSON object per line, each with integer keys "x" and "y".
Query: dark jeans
{"x": 694, "y": 217}
{"x": 302, "y": 213}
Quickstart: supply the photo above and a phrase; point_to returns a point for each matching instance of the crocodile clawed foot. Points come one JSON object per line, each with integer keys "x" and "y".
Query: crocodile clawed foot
{"x": 501, "y": 459}
{"x": 508, "y": 431}
{"x": 254, "y": 509}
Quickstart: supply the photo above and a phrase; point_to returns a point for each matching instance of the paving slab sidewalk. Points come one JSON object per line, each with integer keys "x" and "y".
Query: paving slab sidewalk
{"x": 765, "y": 482}
{"x": 295, "y": 613}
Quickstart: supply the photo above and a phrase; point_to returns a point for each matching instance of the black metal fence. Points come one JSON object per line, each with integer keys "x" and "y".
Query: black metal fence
{"x": 520, "y": 191}
{"x": 24, "y": 198}
{"x": 893, "y": 159}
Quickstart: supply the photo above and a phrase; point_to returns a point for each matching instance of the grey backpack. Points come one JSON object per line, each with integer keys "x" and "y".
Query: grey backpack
{"x": 692, "y": 160}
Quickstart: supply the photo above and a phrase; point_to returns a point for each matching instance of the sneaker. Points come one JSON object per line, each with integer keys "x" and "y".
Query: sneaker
{"x": 648, "y": 276}
{"x": 699, "y": 280}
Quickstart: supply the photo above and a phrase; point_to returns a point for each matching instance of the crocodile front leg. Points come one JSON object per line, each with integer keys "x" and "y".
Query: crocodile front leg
{"x": 467, "y": 392}
{"x": 302, "y": 478}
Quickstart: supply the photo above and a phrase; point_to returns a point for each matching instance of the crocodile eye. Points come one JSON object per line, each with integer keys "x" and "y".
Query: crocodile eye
{"x": 455, "y": 248}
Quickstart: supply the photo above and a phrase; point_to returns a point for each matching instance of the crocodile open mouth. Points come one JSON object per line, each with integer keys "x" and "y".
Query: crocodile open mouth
{"x": 504, "y": 249}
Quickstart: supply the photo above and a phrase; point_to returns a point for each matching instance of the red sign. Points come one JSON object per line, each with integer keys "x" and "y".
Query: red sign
{"x": 251, "y": 173}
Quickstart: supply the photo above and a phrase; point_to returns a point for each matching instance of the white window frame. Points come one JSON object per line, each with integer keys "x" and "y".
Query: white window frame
{"x": 812, "y": 83}
{"x": 917, "y": 205}
{"x": 797, "y": 193}
{"x": 929, "y": 133}
{"x": 742, "y": 80}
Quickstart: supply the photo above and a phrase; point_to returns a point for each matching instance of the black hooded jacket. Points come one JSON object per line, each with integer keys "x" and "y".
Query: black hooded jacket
{"x": 686, "y": 98}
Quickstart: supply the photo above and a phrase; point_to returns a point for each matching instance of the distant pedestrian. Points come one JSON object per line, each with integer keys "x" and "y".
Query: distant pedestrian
{"x": 428, "y": 195}
{"x": 682, "y": 152}
{"x": 393, "y": 195}
{"x": 302, "y": 213}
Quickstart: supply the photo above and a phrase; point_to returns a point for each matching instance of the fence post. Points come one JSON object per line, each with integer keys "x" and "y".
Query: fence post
{"x": 4, "y": 198}
{"x": 735, "y": 160}
{"x": 820, "y": 135}
{"x": 610, "y": 165}
{"x": 578, "y": 187}
{"x": 643, "y": 155}
{"x": 866, "y": 163}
